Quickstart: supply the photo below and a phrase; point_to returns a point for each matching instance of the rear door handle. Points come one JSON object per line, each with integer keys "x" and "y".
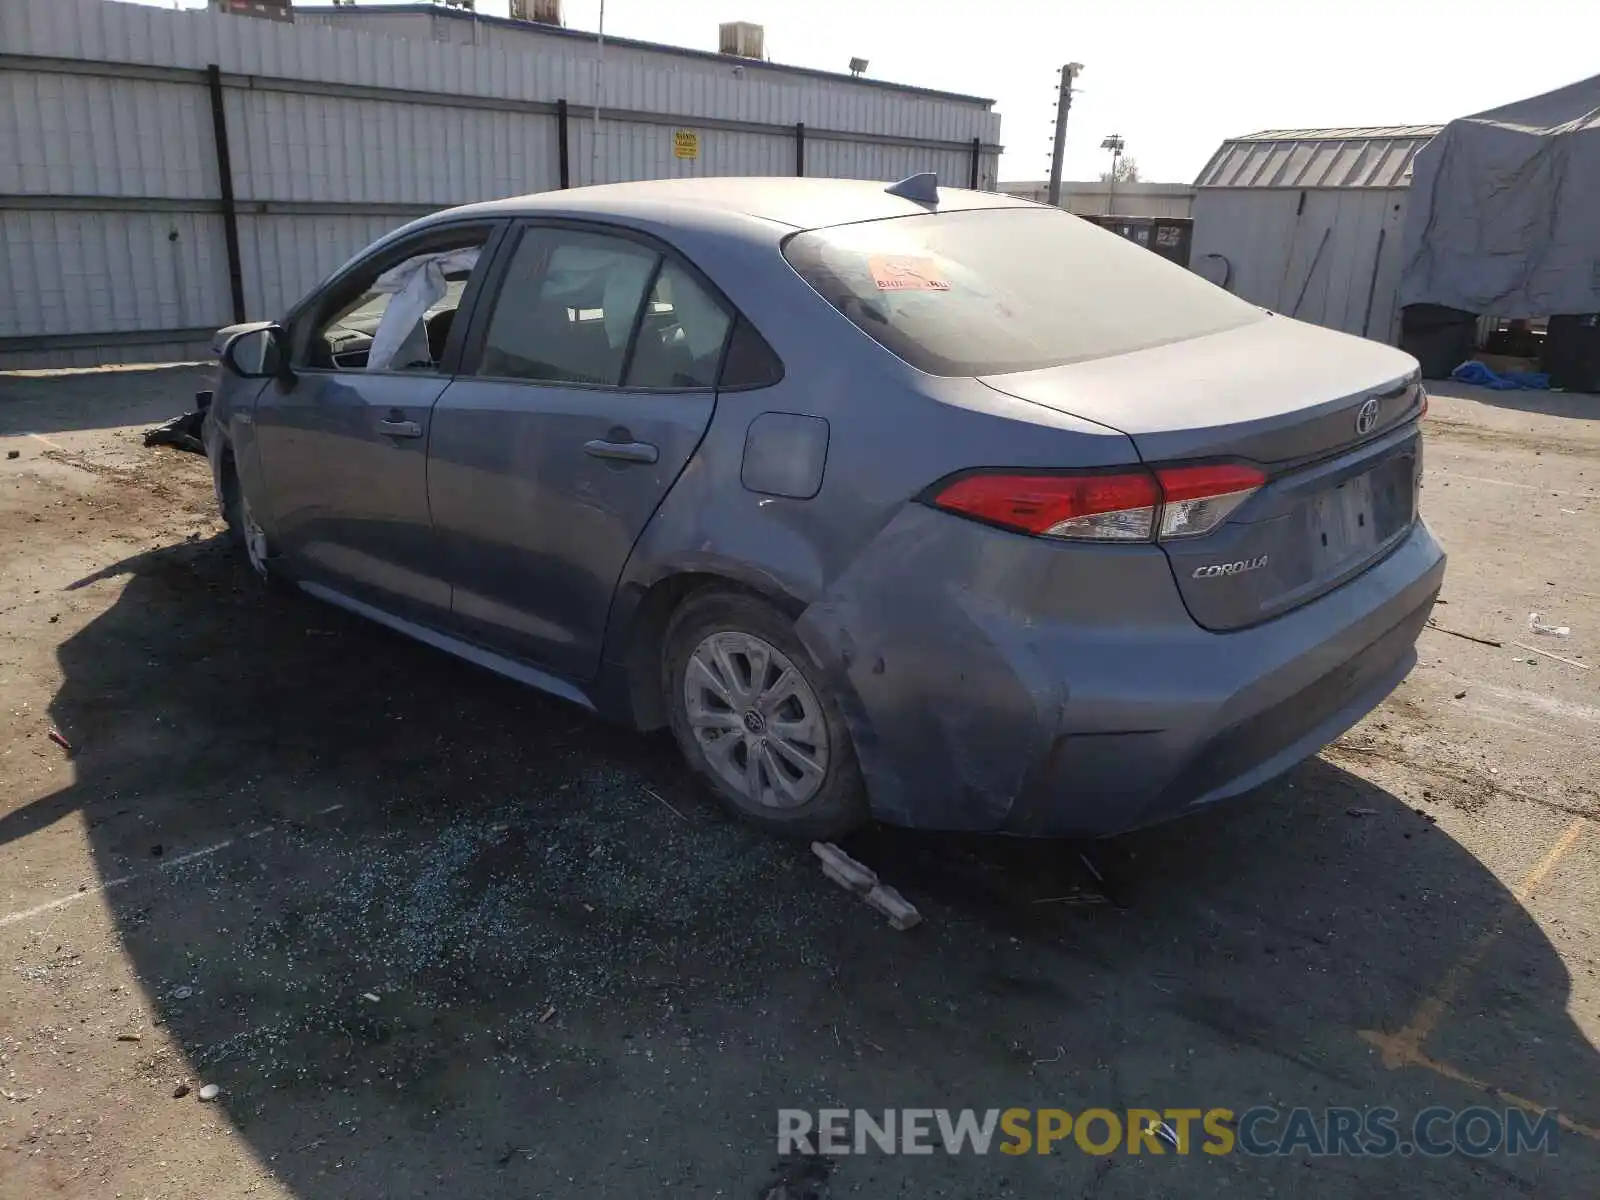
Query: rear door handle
{"x": 633, "y": 452}
{"x": 401, "y": 429}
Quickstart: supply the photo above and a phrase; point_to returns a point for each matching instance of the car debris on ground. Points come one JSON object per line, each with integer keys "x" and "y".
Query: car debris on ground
{"x": 863, "y": 881}
{"x": 182, "y": 432}
{"x": 1537, "y": 624}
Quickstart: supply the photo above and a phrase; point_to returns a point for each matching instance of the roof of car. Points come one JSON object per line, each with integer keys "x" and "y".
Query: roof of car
{"x": 797, "y": 202}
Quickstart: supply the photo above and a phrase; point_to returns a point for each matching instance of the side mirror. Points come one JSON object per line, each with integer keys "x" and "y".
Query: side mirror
{"x": 256, "y": 353}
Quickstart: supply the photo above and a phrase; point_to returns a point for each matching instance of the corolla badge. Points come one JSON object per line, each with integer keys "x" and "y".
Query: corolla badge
{"x": 1217, "y": 570}
{"x": 1367, "y": 417}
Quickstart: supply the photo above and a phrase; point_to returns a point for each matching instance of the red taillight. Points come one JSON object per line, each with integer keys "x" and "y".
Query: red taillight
{"x": 1118, "y": 507}
{"x": 1128, "y": 506}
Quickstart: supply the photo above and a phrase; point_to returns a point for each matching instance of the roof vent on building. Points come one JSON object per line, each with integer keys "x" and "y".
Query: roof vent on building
{"x": 537, "y": 12}
{"x": 277, "y": 10}
{"x": 923, "y": 188}
{"x": 742, "y": 38}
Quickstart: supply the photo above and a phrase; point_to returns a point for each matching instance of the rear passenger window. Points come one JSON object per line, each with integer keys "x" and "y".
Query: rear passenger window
{"x": 681, "y": 336}
{"x": 567, "y": 308}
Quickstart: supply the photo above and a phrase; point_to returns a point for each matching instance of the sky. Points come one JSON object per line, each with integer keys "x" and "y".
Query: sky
{"x": 1173, "y": 77}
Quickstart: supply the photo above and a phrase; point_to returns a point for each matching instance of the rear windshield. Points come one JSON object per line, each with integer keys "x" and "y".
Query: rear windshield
{"x": 988, "y": 291}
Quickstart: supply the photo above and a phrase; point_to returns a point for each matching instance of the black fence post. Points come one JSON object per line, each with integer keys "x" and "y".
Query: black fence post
{"x": 800, "y": 148}
{"x": 977, "y": 155}
{"x": 561, "y": 142}
{"x": 230, "y": 206}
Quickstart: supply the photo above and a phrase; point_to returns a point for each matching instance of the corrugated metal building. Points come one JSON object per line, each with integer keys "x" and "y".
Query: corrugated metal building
{"x": 122, "y": 238}
{"x": 1307, "y": 222}
{"x": 1097, "y": 198}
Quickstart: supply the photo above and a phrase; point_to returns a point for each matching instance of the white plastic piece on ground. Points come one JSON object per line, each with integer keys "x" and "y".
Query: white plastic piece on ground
{"x": 901, "y": 912}
{"x": 1536, "y": 624}
{"x": 844, "y": 870}
{"x": 863, "y": 881}
{"x": 417, "y": 284}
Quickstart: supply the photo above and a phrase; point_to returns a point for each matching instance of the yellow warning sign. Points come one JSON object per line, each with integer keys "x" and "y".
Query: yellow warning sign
{"x": 685, "y": 144}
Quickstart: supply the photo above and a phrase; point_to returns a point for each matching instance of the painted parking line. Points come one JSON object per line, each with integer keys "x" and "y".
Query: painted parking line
{"x": 1404, "y": 1049}
{"x": 107, "y": 885}
{"x": 155, "y": 872}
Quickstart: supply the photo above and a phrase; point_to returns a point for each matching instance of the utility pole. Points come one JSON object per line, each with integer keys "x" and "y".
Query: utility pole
{"x": 599, "y": 90}
{"x": 1063, "y": 107}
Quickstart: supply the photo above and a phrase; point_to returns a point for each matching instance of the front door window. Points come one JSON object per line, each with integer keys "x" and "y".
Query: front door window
{"x": 394, "y": 315}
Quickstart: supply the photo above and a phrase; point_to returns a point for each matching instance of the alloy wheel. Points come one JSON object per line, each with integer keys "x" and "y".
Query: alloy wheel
{"x": 757, "y": 720}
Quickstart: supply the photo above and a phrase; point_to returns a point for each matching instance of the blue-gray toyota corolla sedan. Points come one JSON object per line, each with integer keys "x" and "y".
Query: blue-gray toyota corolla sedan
{"x": 902, "y": 502}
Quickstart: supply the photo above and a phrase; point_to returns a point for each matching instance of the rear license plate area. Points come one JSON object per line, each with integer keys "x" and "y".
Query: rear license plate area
{"x": 1357, "y": 518}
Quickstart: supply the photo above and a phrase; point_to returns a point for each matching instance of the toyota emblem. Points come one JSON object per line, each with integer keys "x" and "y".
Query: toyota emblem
{"x": 1367, "y": 418}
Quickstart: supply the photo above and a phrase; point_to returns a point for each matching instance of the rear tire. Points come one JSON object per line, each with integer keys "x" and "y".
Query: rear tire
{"x": 755, "y": 720}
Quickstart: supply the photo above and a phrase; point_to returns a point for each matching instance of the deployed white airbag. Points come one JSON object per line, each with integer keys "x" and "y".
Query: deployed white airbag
{"x": 417, "y": 285}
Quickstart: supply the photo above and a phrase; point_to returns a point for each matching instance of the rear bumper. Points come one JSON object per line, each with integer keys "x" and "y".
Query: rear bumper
{"x": 970, "y": 713}
{"x": 1095, "y": 784}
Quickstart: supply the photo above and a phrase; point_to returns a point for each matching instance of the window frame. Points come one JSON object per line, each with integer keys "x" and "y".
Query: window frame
{"x": 304, "y": 320}
{"x": 472, "y": 347}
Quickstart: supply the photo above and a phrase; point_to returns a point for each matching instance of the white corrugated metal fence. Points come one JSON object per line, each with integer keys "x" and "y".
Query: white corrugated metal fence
{"x": 114, "y": 214}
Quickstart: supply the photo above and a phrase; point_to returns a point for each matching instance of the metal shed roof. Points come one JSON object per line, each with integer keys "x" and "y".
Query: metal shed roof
{"x": 537, "y": 29}
{"x": 1377, "y": 157}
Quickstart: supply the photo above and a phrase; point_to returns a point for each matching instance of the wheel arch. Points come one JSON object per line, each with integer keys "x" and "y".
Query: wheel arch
{"x": 630, "y": 683}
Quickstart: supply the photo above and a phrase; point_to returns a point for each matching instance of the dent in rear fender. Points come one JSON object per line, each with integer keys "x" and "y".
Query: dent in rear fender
{"x": 949, "y": 708}
{"x": 709, "y": 525}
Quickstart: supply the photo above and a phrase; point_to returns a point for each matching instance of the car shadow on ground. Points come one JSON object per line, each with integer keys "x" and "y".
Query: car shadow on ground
{"x": 434, "y": 934}
{"x": 67, "y": 401}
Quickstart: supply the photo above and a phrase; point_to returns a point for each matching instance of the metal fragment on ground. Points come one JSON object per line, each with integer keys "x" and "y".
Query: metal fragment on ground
{"x": 863, "y": 881}
{"x": 844, "y": 870}
{"x": 901, "y": 912}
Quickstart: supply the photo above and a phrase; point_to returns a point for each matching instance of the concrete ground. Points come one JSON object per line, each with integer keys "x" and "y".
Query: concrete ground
{"x": 435, "y": 935}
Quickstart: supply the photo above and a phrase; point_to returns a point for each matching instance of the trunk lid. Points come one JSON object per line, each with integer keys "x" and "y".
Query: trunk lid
{"x": 1331, "y": 420}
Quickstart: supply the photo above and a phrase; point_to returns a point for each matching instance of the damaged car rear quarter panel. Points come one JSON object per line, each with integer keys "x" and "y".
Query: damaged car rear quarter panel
{"x": 963, "y": 693}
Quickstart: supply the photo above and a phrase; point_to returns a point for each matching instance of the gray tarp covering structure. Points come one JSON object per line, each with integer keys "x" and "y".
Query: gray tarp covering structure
{"x": 1504, "y": 214}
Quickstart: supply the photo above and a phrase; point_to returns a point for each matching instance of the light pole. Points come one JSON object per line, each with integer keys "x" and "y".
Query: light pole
{"x": 1115, "y": 144}
{"x": 599, "y": 88}
{"x": 1063, "y": 106}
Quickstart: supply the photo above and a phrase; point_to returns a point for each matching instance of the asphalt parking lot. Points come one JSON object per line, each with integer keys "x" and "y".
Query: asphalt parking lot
{"x": 433, "y": 934}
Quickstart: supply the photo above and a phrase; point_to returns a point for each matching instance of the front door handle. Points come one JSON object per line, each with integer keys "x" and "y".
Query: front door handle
{"x": 632, "y": 452}
{"x": 400, "y": 429}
